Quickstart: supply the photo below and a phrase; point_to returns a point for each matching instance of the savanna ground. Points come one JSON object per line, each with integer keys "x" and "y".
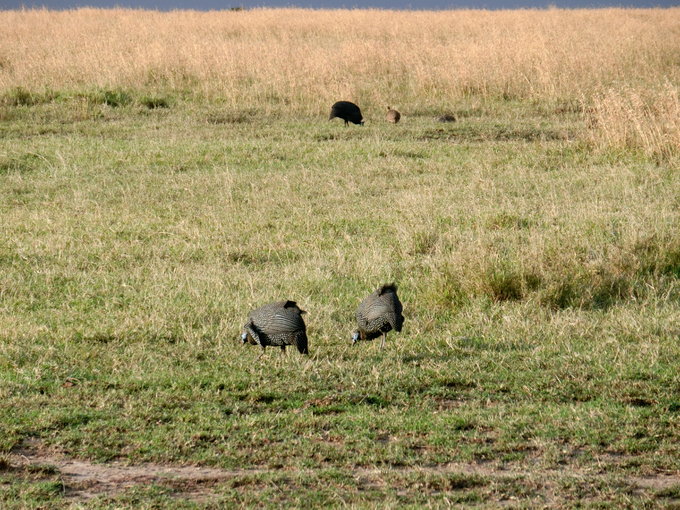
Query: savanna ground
{"x": 162, "y": 174}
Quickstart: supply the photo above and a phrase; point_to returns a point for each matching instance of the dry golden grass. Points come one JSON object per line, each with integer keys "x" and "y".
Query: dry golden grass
{"x": 644, "y": 119}
{"x": 270, "y": 60}
{"x": 303, "y": 59}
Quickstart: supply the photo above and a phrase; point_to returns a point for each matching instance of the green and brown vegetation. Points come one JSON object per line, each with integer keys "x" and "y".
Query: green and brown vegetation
{"x": 163, "y": 174}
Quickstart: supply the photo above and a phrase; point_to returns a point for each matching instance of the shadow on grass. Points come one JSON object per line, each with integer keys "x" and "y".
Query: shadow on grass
{"x": 494, "y": 134}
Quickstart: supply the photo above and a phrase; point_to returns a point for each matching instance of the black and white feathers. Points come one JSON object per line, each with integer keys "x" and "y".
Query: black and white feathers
{"x": 276, "y": 324}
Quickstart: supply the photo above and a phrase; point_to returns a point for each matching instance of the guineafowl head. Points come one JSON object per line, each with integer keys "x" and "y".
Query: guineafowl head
{"x": 356, "y": 336}
{"x": 246, "y": 337}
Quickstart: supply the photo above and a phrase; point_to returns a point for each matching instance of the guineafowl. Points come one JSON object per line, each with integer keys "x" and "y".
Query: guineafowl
{"x": 392, "y": 115}
{"x": 378, "y": 314}
{"x": 279, "y": 323}
{"x": 349, "y": 112}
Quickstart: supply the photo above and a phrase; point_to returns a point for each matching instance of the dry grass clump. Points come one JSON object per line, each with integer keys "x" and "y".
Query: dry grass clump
{"x": 643, "y": 119}
{"x": 585, "y": 277}
{"x": 22, "y": 96}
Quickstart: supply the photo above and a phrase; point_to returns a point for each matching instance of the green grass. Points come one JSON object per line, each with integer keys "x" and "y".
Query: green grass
{"x": 539, "y": 278}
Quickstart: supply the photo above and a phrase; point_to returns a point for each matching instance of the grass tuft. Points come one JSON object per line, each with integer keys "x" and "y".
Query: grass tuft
{"x": 114, "y": 98}
{"x": 154, "y": 102}
{"x": 21, "y": 164}
{"x": 638, "y": 118}
{"x": 21, "y": 96}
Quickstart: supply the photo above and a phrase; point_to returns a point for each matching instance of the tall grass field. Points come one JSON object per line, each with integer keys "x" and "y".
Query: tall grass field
{"x": 162, "y": 174}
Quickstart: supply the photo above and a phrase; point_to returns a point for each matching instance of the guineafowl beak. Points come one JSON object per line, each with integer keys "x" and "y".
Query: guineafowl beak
{"x": 244, "y": 337}
{"x": 355, "y": 337}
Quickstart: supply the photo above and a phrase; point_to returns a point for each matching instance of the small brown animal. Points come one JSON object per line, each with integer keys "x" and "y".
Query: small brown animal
{"x": 448, "y": 117}
{"x": 392, "y": 115}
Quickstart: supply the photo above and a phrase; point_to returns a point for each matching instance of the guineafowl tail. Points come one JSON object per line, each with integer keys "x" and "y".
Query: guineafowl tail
{"x": 301, "y": 343}
{"x": 399, "y": 323}
{"x": 387, "y": 287}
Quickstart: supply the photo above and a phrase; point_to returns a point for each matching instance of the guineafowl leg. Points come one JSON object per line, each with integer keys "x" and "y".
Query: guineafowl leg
{"x": 283, "y": 349}
{"x": 382, "y": 344}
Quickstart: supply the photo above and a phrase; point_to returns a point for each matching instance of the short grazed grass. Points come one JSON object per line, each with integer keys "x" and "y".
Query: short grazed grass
{"x": 539, "y": 277}
{"x": 535, "y": 242}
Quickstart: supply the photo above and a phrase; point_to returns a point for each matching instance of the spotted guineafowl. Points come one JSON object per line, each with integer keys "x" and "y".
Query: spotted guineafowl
{"x": 278, "y": 323}
{"x": 378, "y": 314}
{"x": 392, "y": 115}
{"x": 349, "y": 112}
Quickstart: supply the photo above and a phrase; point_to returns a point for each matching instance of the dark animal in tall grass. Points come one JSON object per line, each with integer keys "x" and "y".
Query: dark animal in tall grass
{"x": 378, "y": 314}
{"x": 276, "y": 324}
{"x": 349, "y": 112}
{"x": 447, "y": 117}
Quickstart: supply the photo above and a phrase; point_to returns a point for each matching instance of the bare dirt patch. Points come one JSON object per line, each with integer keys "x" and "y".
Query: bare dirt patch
{"x": 83, "y": 480}
{"x": 656, "y": 483}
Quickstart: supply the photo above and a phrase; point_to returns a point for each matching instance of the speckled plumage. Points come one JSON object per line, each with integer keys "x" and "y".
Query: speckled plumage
{"x": 378, "y": 314}
{"x": 277, "y": 324}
